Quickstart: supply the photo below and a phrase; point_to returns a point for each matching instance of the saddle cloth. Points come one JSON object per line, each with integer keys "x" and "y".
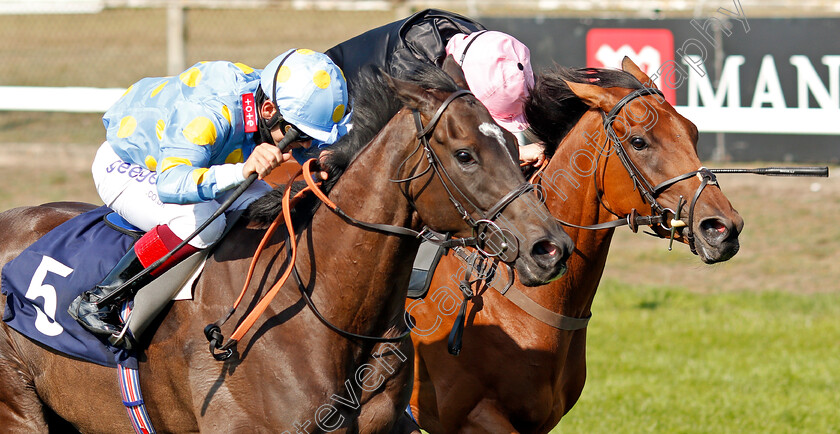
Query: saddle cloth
{"x": 42, "y": 281}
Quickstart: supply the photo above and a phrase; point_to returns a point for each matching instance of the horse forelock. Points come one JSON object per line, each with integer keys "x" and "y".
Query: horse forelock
{"x": 552, "y": 109}
{"x": 373, "y": 104}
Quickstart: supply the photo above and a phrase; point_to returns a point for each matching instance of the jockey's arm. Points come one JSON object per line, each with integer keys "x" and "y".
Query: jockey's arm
{"x": 193, "y": 141}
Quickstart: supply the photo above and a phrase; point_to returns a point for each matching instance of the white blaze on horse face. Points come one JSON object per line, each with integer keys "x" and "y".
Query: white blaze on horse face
{"x": 494, "y": 132}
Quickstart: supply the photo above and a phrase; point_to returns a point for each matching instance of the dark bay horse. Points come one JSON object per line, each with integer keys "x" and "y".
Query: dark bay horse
{"x": 515, "y": 372}
{"x": 291, "y": 372}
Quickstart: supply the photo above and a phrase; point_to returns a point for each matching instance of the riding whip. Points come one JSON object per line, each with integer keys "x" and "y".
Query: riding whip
{"x": 821, "y": 172}
{"x": 290, "y": 136}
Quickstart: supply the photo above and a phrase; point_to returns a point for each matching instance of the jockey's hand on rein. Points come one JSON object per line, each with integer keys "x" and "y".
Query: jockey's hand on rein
{"x": 264, "y": 158}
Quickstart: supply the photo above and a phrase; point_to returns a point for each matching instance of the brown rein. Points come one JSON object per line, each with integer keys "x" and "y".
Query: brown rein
{"x": 634, "y": 219}
{"x": 213, "y": 331}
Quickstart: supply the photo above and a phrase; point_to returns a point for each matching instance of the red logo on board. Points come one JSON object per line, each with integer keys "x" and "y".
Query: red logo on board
{"x": 648, "y": 48}
{"x": 249, "y": 113}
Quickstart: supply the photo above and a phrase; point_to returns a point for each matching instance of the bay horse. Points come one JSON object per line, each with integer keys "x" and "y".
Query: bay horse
{"x": 517, "y": 373}
{"x": 291, "y": 372}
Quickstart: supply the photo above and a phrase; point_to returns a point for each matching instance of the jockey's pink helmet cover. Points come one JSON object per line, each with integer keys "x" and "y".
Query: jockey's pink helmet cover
{"x": 498, "y": 70}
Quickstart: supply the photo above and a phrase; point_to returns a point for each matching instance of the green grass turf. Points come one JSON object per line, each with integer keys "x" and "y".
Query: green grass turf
{"x": 668, "y": 360}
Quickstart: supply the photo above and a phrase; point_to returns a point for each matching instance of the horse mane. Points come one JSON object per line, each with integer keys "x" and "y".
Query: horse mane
{"x": 552, "y": 109}
{"x": 373, "y": 104}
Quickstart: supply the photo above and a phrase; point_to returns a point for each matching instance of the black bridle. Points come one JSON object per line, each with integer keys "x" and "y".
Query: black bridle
{"x": 486, "y": 219}
{"x": 659, "y": 215}
{"x": 507, "y": 251}
{"x": 479, "y": 226}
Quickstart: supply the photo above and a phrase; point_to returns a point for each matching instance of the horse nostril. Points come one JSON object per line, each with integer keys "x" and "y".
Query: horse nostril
{"x": 714, "y": 229}
{"x": 544, "y": 248}
{"x": 551, "y": 254}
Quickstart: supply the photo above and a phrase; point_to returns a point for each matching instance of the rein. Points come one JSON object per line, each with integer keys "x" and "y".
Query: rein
{"x": 486, "y": 273}
{"x": 213, "y": 331}
{"x": 633, "y": 220}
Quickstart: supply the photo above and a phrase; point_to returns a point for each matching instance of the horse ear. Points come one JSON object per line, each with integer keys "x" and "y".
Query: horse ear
{"x": 410, "y": 94}
{"x": 593, "y": 95}
{"x": 629, "y": 66}
{"x": 453, "y": 69}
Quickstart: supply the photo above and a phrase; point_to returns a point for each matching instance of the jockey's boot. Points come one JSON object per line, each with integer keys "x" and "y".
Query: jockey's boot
{"x": 104, "y": 318}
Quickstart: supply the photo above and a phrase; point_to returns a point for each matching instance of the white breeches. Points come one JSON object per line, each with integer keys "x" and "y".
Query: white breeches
{"x": 130, "y": 190}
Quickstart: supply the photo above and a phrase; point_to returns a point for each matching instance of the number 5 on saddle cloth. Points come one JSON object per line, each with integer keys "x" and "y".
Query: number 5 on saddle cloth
{"x": 42, "y": 281}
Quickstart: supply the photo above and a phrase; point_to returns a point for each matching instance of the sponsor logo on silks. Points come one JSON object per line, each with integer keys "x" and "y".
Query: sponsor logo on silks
{"x": 249, "y": 112}
{"x": 135, "y": 172}
{"x": 648, "y": 48}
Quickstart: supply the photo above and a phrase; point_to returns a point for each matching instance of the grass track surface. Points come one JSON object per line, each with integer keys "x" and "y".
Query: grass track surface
{"x": 663, "y": 359}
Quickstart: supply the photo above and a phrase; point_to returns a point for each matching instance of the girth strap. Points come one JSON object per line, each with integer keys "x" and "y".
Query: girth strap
{"x": 132, "y": 397}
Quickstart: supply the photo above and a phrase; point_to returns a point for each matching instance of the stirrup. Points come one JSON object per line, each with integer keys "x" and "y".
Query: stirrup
{"x": 92, "y": 317}
{"x": 123, "y": 339}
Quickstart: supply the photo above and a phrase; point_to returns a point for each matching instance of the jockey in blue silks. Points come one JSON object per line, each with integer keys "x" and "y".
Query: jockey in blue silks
{"x": 177, "y": 146}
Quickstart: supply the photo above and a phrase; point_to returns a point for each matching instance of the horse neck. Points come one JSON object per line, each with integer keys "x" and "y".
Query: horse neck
{"x": 366, "y": 190}
{"x": 571, "y": 196}
{"x": 375, "y": 266}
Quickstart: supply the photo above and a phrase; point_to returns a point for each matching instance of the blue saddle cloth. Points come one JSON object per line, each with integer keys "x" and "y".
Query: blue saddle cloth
{"x": 42, "y": 281}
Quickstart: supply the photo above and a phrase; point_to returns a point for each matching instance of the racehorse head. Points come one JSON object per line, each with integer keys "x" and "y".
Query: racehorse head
{"x": 460, "y": 174}
{"x": 479, "y": 189}
{"x": 640, "y": 152}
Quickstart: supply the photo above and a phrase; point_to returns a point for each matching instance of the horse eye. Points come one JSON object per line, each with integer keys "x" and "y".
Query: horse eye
{"x": 464, "y": 157}
{"x": 638, "y": 143}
